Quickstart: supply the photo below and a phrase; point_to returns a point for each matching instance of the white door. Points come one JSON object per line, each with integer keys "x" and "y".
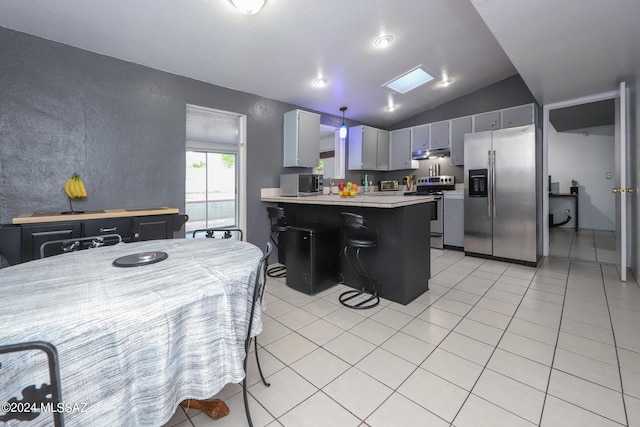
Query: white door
{"x": 620, "y": 188}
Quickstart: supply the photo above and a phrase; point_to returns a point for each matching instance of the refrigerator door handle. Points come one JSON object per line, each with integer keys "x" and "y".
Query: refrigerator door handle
{"x": 489, "y": 180}
{"x": 493, "y": 185}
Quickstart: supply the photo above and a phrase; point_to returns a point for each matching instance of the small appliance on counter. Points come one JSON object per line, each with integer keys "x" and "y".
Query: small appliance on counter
{"x": 301, "y": 184}
{"x": 388, "y": 185}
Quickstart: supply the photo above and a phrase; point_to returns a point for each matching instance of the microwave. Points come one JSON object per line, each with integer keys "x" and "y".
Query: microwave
{"x": 301, "y": 184}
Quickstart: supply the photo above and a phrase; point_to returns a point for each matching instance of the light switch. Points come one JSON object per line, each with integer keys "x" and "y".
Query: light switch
{"x": 609, "y": 175}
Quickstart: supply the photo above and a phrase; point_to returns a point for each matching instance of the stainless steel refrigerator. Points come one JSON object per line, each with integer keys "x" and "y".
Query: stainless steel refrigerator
{"x": 503, "y": 194}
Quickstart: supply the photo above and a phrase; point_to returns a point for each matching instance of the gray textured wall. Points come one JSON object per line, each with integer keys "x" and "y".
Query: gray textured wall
{"x": 118, "y": 124}
{"x": 122, "y": 127}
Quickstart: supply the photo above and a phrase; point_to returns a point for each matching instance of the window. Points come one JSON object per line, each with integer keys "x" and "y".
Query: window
{"x": 214, "y": 170}
{"x": 332, "y": 164}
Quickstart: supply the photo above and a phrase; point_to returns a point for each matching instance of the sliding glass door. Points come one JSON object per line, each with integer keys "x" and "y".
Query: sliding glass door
{"x": 211, "y": 190}
{"x": 213, "y": 169}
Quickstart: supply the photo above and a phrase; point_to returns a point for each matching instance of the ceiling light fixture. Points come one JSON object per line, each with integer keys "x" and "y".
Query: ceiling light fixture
{"x": 383, "y": 41}
{"x": 409, "y": 80}
{"x": 250, "y": 7}
{"x": 446, "y": 81}
{"x": 343, "y": 128}
{"x": 391, "y": 107}
{"x": 320, "y": 82}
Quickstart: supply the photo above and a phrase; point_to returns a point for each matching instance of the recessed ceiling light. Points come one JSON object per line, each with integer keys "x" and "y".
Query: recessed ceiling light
{"x": 445, "y": 82}
{"x": 250, "y": 7}
{"x": 409, "y": 80}
{"x": 383, "y": 41}
{"x": 320, "y": 82}
{"x": 391, "y": 107}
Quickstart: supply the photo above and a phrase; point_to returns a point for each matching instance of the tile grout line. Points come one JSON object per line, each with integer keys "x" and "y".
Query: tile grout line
{"x": 494, "y": 350}
{"x": 615, "y": 346}
{"x": 555, "y": 348}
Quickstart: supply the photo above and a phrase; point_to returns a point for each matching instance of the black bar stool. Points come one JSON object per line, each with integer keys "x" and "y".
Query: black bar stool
{"x": 359, "y": 233}
{"x": 280, "y": 222}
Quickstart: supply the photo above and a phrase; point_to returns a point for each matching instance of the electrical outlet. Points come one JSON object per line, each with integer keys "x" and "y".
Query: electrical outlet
{"x": 609, "y": 175}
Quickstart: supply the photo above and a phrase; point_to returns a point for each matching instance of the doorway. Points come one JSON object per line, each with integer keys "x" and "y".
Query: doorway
{"x": 582, "y": 139}
{"x": 581, "y": 164}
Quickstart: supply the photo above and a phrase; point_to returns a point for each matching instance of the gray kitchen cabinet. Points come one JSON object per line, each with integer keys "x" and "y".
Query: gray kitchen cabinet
{"x": 459, "y": 127}
{"x": 383, "y": 150}
{"x": 420, "y": 137}
{"x": 519, "y": 116}
{"x": 486, "y": 121}
{"x": 301, "y": 139}
{"x": 454, "y": 220}
{"x": 400, "y": 150}
{"x": 368, "y": 148}
{"x": 439, "y": 135}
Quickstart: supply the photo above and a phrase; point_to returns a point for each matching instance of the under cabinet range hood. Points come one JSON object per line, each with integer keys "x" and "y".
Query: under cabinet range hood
{"x": 430, "y": 154}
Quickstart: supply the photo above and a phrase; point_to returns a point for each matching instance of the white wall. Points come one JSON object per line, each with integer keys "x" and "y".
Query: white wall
{"x": 585, "y": 157}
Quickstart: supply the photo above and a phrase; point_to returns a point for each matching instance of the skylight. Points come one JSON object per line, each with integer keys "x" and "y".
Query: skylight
{"x": 410, "y": 80}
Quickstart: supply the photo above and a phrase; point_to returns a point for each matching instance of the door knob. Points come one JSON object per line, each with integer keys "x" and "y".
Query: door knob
{"x": 630, "y": 190}
{"x": 618, "y": 190}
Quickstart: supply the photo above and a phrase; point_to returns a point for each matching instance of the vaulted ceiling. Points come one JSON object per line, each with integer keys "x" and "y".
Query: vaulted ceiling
{"x": 562, "y": 49}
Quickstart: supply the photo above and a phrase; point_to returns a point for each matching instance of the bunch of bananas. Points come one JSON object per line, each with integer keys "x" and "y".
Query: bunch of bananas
{"x": 75, "y": 187}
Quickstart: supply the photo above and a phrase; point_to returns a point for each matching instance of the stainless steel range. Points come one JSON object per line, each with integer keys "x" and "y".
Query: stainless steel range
{"x": 435, "y": 185}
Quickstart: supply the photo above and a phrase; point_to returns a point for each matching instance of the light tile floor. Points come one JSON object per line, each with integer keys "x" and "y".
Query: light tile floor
{"x": 588, "y": 245}
{"x": 491, "y": 344}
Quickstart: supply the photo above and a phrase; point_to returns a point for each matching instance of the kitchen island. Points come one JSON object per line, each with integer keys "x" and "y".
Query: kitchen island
{"x": 401, "y": 263}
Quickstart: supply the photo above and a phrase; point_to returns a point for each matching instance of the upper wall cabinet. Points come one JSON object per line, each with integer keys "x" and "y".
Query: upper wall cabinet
{"x": 439, "y": 135}
{"x": 400, "y": 150}
{"x": 459, "y": 127}
{"x": 486, "y": 121}
{"x": 368, "y": 148}
{"x": 301, "y": 139}
{"x": 519, "y": 116}
{"x": 420, "y": 137}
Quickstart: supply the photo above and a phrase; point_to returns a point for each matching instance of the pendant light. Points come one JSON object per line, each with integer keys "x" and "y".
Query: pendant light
{"x": 343, "y": 128}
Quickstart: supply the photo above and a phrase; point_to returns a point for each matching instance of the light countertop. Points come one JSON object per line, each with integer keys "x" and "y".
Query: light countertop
{"x": 379, "y": 199}
{"x": 34, "y": 218}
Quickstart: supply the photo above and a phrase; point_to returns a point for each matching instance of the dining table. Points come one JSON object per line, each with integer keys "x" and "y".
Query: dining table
{"x": 133, "y": 341}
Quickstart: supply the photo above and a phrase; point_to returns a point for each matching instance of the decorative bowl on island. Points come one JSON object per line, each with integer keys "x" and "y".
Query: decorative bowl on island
{"x": 347, "y": 190}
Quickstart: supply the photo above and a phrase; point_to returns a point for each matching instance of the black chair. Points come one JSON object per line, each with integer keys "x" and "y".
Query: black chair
{"x": 280, "y": 222}
{"x": 222, "y": 233}
{"x": 258, "y": 295}
{"x": 48, "y": 394}
{"x": 359, "y": 233}
{"x": 70, "y": 245}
